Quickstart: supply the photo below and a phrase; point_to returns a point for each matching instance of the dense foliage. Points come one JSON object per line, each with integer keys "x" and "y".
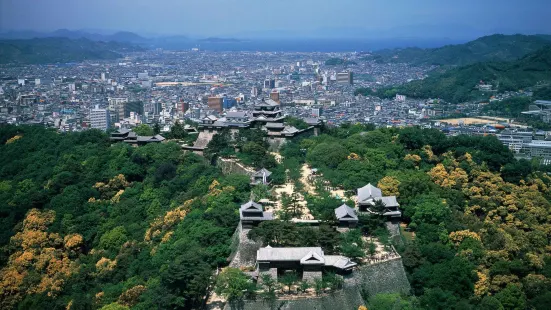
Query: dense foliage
{"x": 459, "y": 84}
{"x": 58, "y": 50}
{"x": 89, "y": 225}
{"x": 478, "y": 219}
{"x": 496, "y": 47}
{"x": 86, "y": 224}
{"x": 511, "y": 107}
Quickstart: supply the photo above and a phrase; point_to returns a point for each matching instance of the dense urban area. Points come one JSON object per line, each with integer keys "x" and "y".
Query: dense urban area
{"x": 138, "y": 177}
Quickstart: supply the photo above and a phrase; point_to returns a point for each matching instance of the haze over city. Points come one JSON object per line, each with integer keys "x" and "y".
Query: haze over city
{"x": 285, "y": 154}
{"x": 372, "y": 19}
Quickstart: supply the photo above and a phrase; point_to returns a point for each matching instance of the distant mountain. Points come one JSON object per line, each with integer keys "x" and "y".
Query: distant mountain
{"x": 459, "y": 84}
{"x": 122, "y": 36}
{"x": 59, "y": 50}
{"x": 490, "y": 48}
{"x": 220, "y": 40}
{"x": 125, "y": 36}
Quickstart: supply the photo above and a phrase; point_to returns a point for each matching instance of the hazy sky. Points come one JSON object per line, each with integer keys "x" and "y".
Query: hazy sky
{"x": 242, "y": 17}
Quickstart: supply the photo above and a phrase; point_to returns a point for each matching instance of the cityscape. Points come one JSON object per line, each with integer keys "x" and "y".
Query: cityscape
{"x": 242, "y": 155}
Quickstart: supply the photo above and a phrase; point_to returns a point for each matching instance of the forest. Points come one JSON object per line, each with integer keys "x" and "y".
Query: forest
{"x": 477, "y": 219}
{"x": 87, "y": 224}
{"x": 458, "y": 84}
{"x": 497, "y": 47}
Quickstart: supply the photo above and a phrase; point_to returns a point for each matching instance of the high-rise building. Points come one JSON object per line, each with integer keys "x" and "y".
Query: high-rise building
{"x": 99, "y": 118}
{"x": 316, "y": 112}
{"x": 255, "y": 92}
{"x": 216, "y": 103}
{"x": 134, "y": 106}
{"x": 274, "y": 95}
{"x": 229, "y": 102}
{"x": 346, "y": 77}
{"x": 269, "y": 83}
{"x": 36, "y": 81}
{"x": 183, "y": 107}
{"x": 116, "y": 108}
{"x": 103, "y": 76}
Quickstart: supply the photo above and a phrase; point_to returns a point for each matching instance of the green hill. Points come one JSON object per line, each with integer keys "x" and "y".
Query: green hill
{"x": 58, "y": 50}
{"x": 496, "y": 47}
{"x": 458, "y": 84}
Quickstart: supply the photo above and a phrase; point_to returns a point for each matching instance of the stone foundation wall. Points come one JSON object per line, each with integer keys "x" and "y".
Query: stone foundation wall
{"x": 384, "y": 277}
{"x": 229, "y": 166}
{"x": 311, "y": 276}
{"x": 245, "y": 255}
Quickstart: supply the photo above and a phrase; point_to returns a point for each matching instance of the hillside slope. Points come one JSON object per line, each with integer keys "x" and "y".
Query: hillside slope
{"x": 458, "y": 84}
{"x": 58, "y": 50}
{"x": 496, "y": 47}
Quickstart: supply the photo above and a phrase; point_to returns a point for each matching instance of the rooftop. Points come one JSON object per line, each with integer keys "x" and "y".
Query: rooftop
{"x": 344, "y": 212}
{"x": 367, "y": 192}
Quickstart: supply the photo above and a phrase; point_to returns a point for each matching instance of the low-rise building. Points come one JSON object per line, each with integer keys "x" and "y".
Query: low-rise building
{"x": 310, "y": 261}
{"x": 346, "y": 216}
{"x": 251, "y": 214}
{"x": 369, "y": 195}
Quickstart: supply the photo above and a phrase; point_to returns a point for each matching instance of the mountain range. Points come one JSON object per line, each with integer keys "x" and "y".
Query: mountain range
{"x": 121, "y": 36}
{"x": 496, "y": 47}
{"x": 60, "y": 50}
{"x": 459, "y": 84}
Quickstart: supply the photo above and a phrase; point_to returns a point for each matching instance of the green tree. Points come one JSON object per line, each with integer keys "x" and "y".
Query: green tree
{"x": 490, "y": 303}
{"x": 156, "y": 128}
{"x": 177, "y": 131}
{"x": 288, "y": 280}
{"x": 143, "y": 130}
{"x": 113, "y": 239}
{"x": 234, "y": 285}
{"x": 512, "y": 298}
{"x": 389, "y": 302}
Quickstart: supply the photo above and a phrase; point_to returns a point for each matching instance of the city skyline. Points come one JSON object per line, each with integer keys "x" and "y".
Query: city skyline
{"x": 284, "y": 19}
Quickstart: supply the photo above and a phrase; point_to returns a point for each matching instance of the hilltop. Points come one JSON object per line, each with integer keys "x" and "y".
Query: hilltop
{"x": 458, "y": 84}
{"x": 495, "y": 47}
{"x": 121, "y": 36}
{"x": 59, "y": 50}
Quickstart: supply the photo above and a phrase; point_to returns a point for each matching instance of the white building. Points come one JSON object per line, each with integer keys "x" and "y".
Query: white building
{"x": 99, "y": 118}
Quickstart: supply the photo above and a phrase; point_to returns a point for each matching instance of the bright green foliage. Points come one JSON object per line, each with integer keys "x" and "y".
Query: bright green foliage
{"x": 282, "y": 234}
{"x": 390, "y": 302}
{"x": 234, "y": 285}
{"x": 166, "y": 229}
{"x": 296, "y": 122}
{"x": 143, "y": 130}
{"x": 114, "y": 306}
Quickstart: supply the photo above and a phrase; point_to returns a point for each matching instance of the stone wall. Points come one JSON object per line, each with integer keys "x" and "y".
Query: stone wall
{"x": 246, "y": 250}
{"x": 346, "y": 299}
{"x": 384, "y": 277}
{"x": 230, "y": 166}
{"x": 276, "y": 143}
{"x": 203, "y": 139}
